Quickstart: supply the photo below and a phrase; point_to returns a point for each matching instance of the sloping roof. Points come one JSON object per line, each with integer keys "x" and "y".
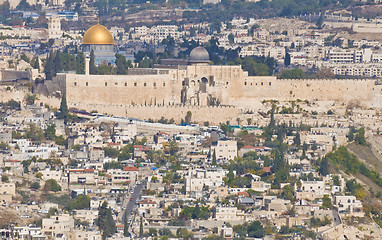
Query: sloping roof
{"x": 243, "y": 194}
{"x": 267, "y": 169}
{"x": 130, "y": 169}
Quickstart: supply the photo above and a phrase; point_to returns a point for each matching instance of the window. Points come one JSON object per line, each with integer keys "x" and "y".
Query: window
{"x": 105, "y": 84}
{"x": 144, "y": 84}
{"x": 262, "y": 83}
{"x": 245, "y": 83}
{"x": 125, "y": 84}
{"x": 135, "y": 84}
{"x": 87, "y": 84}
{"x": 116, "y": 83}
{"x": 75, "y": 83}
{"x": 154, "y": 84}
{"x": 270, "y": 83}
{"x": 164, "y": 84}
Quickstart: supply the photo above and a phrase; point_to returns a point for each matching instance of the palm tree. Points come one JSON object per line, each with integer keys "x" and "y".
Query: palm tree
{"x": 171, "y": 147}
{"x": 238, "y": 121}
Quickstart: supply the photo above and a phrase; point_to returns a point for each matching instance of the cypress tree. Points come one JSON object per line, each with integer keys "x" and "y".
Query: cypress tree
{"x": 121, "y": 63}
{"x": 80, "y": 63}
{"x": 141, "y": 228}
{"x": 36, "y": 64}
{"x": 49, "y": 68}
{"x": 64, "y": 112}
{"x": 105, "y": 221}
{"x": 58, "y": 64}
{"x": 214, "y": 163}
{"x": 92, "y": 67}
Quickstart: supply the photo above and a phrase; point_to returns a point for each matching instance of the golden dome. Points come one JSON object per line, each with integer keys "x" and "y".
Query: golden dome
{"x": 98, "y": 34}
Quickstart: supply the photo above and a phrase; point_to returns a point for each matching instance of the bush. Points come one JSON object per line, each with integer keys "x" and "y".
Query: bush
{"x": 35, "y": 185}
{"x": 4, "y": 178}
{"x": 52, "y": 185}
{"x": 81, "y": 202}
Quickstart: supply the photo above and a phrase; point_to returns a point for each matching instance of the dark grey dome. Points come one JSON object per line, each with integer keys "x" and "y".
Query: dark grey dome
{"x": 199, "y": 54}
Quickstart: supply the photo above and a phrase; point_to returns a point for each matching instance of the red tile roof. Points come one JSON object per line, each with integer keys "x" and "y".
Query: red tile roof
{"x": 10, "y": 160}
{"x": 243, "y": 194}
{"x": 130, "y": 169}
{"x": 267, "y": 169}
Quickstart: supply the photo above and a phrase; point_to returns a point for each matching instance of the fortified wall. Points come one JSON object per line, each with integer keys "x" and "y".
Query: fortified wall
{"x": 212, "y": 93}
{"x": 200, "y": 114}
{"x": 365, "y": 91}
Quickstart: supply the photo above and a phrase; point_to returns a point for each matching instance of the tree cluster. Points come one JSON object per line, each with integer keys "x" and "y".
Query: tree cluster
{"x": 58, "y": 62}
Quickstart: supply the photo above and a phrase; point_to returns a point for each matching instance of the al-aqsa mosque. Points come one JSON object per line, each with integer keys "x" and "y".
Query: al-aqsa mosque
{"x": 99, "y": 39}
{"x": 214, "y": 93}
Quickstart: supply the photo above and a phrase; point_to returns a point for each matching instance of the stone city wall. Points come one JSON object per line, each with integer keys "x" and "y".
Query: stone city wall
{"x": 342, "y": 90}
{"x": 214, "y": 115}
{"x": 128, "y": 90}
{"x": 17, "y": 94}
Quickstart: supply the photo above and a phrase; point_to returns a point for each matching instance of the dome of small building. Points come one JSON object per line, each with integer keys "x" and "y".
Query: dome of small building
{"x": 199, "y": 54}
{"x": 97, "y": 34}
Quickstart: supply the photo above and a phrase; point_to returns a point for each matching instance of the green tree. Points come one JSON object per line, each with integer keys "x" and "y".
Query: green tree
{"x": 51, "y": 185}
{"x": 92, "y": 66}
{"x": 231, "y": 38}
{"x": 256, "y": 230}
{"x": 35, "y": 185}
{"x": 58, "y": 63}
{"x": 49, "y": 67}
{"x": 214, "y": 163}
{"x": 105, "y": 221}
{"x": 36, "y": 64}
{"x": 293, "y": 74}
{"x": 50, "y": 132}
{"x": 80, "y": 63}
{"x": 81, "y": 202}
{"x": 23, "y": 5}
{"x": 230, "y": 175}
{"x": 351, "y": 136}
{"x": 111, "y": 152}
{"x": 121, "y": 63}
{"x": 187, "y": 119}
{"x": 360, "y": 137}
{"x": 324, "y": 167}
{"x": 4, "y": 178}
{"x": 287, "y": 59}
{"x": 326, "y": 202}
{"x": 171, "y": 148}
{"x": 195, "y": 212}
{"x": 34, "y": 133}
{"x": 297, "y": 140}
{"x": 63, "y": 111}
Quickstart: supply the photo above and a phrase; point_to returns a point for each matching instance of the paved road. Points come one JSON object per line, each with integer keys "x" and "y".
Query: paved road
{"x": 135, "y": 195}
{"x": 336, "y": 216}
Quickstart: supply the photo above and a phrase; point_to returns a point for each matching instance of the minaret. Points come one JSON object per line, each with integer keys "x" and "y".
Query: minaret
{"x": 87, "y": 65}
